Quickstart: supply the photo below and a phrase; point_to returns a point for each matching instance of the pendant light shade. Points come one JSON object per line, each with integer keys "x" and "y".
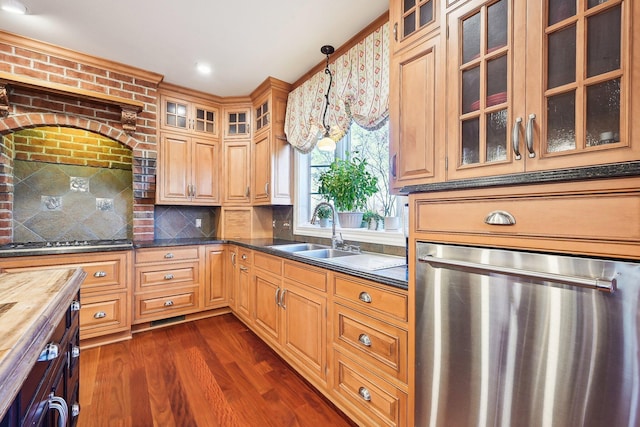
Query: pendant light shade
{"x": 326, "y": 144}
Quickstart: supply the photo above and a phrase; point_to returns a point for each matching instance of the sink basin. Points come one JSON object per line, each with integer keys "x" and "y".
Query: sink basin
{"x": 298, "y": 247}
{"x": 325, "y": 253}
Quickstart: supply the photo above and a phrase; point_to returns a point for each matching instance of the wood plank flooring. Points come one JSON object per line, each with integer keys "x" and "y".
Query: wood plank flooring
{"x": 207, "y": 373}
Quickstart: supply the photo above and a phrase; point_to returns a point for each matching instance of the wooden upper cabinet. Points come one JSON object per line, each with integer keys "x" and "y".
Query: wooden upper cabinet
{"x": 236, "y": 154}
{"x": 188, "y": 170}
{"x": 416, "y": 149}
{"x": 237, "y": 122}
{"x": 271, "y": 154}
{"x": 186, "y": 115}
{"x": 540, "y": 85}
{"x": 410, "y": 20}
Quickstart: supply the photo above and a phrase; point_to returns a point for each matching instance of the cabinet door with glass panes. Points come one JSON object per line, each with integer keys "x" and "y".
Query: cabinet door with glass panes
{"x": 485, "y": 93}
{"x": 538, "y": 85}
{"x": 579, "y": 108}
{"x": 184, "y": 115}
{"x": 412, "y": 19}
{"x": 237, "y": 122}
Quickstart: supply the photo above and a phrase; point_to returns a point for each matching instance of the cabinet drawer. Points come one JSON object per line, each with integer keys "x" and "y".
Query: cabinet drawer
{"x": 378, "y": 343}
{"x": 309, "y": 276}
{"x": 381, "y": 403}
{"x": 103, "y": 276}
{"x": 102, "y": 314}
{"x": 245, "y": 256}
{"x": 373, "y": 298}
{"x": 167, "y": 254}
{"x": 166, "y": 305}
{"x": 152, "y": 277}
{"x": 269, "y": 263}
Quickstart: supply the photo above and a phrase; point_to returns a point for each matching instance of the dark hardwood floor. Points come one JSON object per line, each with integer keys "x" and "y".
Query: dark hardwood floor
{"x": 211, "y": 372}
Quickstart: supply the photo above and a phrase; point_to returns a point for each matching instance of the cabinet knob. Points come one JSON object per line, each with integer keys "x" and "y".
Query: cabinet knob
{"x": 168, "y": 276}
{"x": 244, "y": 256}
{"x": 51, "y": 351}
{"x": 75, "y": 306}
{"x": 168, "y": 303}
{"x": 365, "y": 297}
{"x": 100, "y": 274}
{"x": 100, "y": 315}
{"x": 75, "y": 351}
{"x": 168, "y": 255}
{"x": 75, "y": 409}
{"x": 365, "y": 340}
{"x": 364, "y": 393}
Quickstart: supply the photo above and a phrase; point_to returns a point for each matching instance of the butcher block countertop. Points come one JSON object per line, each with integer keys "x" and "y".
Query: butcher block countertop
{"x": 32, "y": 304}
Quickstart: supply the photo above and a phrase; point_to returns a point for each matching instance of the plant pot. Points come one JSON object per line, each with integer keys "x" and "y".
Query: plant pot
{"x": 350, "y": 219}
{"x": 373, "y": 224}
{"x": 324, "y": 222}
{"x": 391, "y": 223}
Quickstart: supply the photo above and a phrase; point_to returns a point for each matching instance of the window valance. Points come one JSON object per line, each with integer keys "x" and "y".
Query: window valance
{"x": 360, "y": 92}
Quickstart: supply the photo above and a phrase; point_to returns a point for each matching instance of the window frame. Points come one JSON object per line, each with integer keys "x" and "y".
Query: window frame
{"x": 302, "y": 209}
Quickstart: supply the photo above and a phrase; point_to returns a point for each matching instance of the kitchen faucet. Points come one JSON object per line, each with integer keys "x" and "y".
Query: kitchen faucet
{"x": 335, "y": 240}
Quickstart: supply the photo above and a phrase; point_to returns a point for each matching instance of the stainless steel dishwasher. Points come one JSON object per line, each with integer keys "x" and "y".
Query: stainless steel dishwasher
{"x": 508, "y": 338}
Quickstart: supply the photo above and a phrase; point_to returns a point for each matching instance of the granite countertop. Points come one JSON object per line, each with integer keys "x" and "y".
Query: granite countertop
{"x": 395, "y": 276}
{"x": 32, "y": 304}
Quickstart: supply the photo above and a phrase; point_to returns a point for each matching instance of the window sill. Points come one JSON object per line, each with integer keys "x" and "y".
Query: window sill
{"x": 390, "y": 238}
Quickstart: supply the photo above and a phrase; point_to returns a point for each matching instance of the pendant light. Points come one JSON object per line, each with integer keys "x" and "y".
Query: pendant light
{"x": 326, "y": 143}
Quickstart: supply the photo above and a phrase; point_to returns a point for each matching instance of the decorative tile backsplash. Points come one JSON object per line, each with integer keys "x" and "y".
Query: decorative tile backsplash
{"x": 65, "y": 202}
{"x": 180, "y": 222}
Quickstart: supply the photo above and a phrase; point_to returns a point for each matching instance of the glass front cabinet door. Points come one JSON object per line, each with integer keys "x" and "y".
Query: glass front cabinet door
{"x": 539, "y": 85}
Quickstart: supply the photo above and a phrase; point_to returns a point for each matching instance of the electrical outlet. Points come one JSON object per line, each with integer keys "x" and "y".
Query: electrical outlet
{"x": 198, "y": 223}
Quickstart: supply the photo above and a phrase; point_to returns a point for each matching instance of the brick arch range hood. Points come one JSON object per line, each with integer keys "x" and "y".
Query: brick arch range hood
{"x": 44, "y": 85}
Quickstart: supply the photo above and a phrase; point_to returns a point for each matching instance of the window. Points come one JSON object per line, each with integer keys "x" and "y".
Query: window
{"x": 370, "y": 145}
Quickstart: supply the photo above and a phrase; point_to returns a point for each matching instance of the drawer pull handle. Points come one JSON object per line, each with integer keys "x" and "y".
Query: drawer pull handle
{"x": 365, "y": 340}
{"x": 100, "y": 274}
{"x": 50, "y": 352}
{"x": 168, "y": 303}
{"x": 364, "y": 393}
{"x": 75, "y": 306}
{"x": 365, "y": 297}
{"x": 100, "y": 315}
{"x": 168, "y": 255}
{"x": 499, "y": 218}
{"x": 515, "y": 138}
{"x": 529, "y": 135}
{"x": 75, "y": 351}
{"x": 168, "y": 276}
{"x": 59, "y": 404}
{"x": 277, "y": 296}
{"x": 243, "y": 268}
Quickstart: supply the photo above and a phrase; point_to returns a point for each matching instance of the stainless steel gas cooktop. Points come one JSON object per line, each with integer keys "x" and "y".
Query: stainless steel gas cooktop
{"x": 66, "y": 246}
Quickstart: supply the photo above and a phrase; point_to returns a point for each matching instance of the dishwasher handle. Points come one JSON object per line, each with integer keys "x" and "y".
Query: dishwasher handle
{"x": 586, "y": 282}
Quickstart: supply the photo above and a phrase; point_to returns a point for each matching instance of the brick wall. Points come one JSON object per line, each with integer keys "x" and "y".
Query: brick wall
{"x": 30, "y": 108}
{"x": 70, "y": 146}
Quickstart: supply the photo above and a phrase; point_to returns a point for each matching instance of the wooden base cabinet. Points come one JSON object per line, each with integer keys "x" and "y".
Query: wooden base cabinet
{"x": 169, "y": 282}
{"x": 106, "y": 310}
{"x": 370, "y": 353}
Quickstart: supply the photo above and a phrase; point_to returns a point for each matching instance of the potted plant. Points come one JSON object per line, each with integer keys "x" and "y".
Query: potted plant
{"x": 348, "y": 184}
{"x": 324, "y": 213}
{"x": 391, "y": 220}
{"x": 371, "y": 220}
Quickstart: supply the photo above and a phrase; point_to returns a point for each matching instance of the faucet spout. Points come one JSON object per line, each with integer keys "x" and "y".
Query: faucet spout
{"x": 335, "y": 240}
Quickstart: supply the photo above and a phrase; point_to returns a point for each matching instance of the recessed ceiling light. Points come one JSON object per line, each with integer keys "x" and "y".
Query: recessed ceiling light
{"x": 203, "y": 68}
{"x": 14, "y": 6}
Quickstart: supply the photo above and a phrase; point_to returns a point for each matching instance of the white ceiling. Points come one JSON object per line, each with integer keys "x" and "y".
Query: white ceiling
{"x": 244, "y": 41}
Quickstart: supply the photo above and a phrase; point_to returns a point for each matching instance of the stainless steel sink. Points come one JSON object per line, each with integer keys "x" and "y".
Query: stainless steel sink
{"x": 298, "y": 247}
{"x": 325, "y": 253}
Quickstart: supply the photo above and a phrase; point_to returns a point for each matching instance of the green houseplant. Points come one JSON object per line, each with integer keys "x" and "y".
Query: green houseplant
{"x": 324, "y": 213}
{"x": 371, "y": 220}
{"x": 348, "y": 184}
